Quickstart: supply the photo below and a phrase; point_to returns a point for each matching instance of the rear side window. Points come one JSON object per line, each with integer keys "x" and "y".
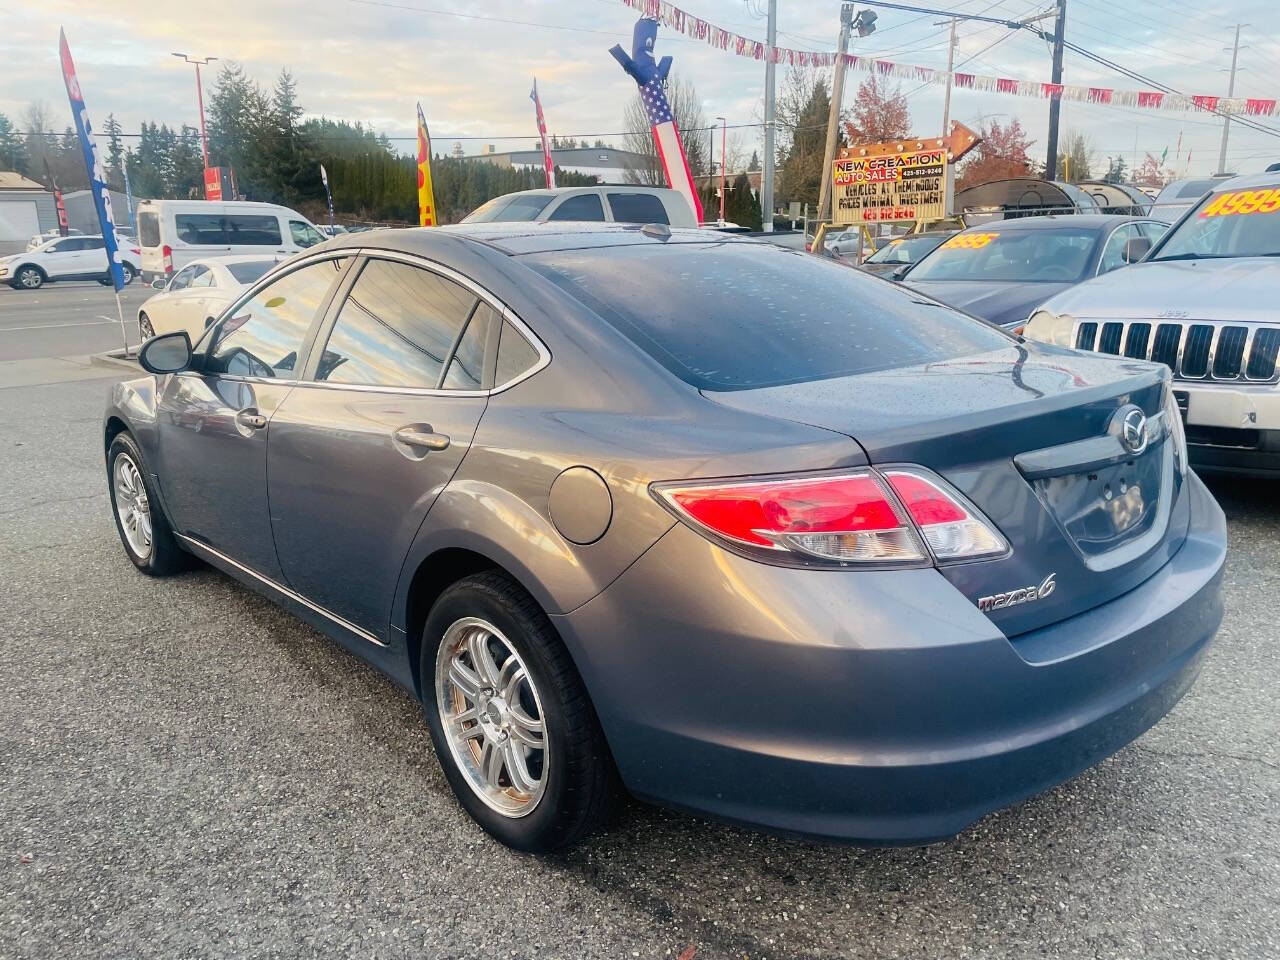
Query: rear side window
{"x": 466, "y": 369}
{"x": 264, "y": 335}
{"x": 520, "y": 207}
{"x": 149, "y": 229}
{"x": 737, "y": 315}
{"x": 249, "y": 270}
{"x": 637, "y": 208}
{"x": 585, "y": 206}
{"x": 396, "y": 328}
{"x": 211, "y": 229}
{"x": 515, "y": 355}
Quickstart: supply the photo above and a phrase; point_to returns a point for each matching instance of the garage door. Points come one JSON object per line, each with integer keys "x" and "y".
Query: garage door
{"x": 19, "y": 222}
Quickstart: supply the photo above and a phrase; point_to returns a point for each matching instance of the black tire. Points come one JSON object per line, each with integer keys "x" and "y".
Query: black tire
{"x": 145, "y": 330}
{"x": 581, "y": 787}
{"x": 129, "y": 273}
{"x": 29, "y": 278}
{"x": 165, "y": 557}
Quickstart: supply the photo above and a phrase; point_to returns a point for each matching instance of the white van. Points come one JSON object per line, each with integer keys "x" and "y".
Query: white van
{"x": 172, "y": 233}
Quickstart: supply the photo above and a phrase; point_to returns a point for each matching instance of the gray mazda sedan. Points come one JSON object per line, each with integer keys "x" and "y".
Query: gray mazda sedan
{"x": 735, "y": 529}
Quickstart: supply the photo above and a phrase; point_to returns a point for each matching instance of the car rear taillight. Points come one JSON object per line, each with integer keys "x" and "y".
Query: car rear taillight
{"x": 906, "y": 516}
{"x": 167, "y": 251}
{"x": 953, "y": 530}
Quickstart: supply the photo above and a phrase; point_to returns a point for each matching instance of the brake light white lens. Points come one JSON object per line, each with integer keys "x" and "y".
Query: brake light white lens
{"x": 848, "y": 517}
{"x": 951, "y": 529}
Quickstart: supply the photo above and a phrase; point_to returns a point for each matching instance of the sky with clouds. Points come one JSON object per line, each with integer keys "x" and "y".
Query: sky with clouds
{"x": 471, "y": 64}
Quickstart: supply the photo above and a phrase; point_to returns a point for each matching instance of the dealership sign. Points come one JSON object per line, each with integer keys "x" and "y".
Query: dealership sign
{"x": 897, "y": 181}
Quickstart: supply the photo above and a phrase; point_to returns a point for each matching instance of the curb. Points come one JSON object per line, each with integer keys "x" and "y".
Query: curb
{"x": 114, "y": 358}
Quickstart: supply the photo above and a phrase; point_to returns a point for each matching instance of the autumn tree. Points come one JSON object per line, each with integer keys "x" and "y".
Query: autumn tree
{"x": 1151, "y": 173}
{"x": 878, "y": 114}
{"x": 1000, "y": 154}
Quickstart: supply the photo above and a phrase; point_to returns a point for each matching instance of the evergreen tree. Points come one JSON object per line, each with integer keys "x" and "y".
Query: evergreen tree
{"x": 800, "y": 168}
{"x": 115, "y": 153}
{"x": 13, "y": 148}
{"x": 754, "y": 164}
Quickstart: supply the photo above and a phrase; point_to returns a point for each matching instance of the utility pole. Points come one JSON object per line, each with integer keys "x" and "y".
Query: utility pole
{"x": 1231, "y": 92}
{"x": 833, "y": 117}
{"x": 949, "y": 188}
{"x": 1055, "y": 102}
{"x": 204, "y": 139}
{"x": 766, "y": 175}
{"x": 723, "y": 128}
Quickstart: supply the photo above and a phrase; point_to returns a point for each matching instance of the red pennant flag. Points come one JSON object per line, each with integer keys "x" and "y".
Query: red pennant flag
{"x": 1099, "y": 94}
{"x": 1050, "y": 90}
{"x": 1205, "y": 103}
{"x": 1149, "y": 98}
{"x": 1005, "y": 85}
{"x": 1256, "y": 108}
{"x": 964, "y": 79}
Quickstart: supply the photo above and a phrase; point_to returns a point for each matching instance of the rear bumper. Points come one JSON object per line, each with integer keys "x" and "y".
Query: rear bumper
{"x": 879, "y": 707}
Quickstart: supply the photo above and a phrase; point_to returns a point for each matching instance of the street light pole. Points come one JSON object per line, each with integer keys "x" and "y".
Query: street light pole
{"x": 204, "y": 138}
{"x": 723, "y": 128}
{"x": 949, "y": 183}
{"x": 766, "y": 175}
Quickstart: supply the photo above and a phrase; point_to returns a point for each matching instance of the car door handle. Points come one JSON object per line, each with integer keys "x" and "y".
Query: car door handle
{"x": 424, "y": 439}
{"x": 248, "y": 418}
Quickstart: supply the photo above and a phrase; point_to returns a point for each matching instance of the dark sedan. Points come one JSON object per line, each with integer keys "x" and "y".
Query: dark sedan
{"x": 738, "y": 529}
{"x": 1001, "y": 271}
{"x": 900, "y": 252}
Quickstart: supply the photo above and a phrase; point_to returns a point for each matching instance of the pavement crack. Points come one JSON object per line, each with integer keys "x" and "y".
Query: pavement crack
{"x": 1209, "y": 754}
{"x": 46, "y": 503}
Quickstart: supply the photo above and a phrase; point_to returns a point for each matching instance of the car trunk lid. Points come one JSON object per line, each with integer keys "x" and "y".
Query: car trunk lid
{"x": 1033, "y": 436}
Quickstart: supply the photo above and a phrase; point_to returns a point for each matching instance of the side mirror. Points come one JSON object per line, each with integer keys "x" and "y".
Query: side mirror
{"x": 1136, "y": 248}
{"x": 158, "y": 284}
{"x": 167, "y": 353}
{"x": 897, "y": 273}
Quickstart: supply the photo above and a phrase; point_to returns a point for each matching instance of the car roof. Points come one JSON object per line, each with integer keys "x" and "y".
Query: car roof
{"x": 1097, "y": 221}
{"x": 1251, "y": 181}
{"x": 241, "y": 258}
{"x": 516, "y": 239}
{"x": 589, "y": 188}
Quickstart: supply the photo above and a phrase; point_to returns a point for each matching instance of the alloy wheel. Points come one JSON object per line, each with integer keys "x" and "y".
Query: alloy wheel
{"x": 132, "y": 506}
{"x": 30, "y": 278}
{"x": 492, "y": 717}
{"x": 145, "y": 330}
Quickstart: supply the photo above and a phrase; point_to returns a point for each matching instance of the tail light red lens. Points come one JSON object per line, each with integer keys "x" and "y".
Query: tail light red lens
{"x": 856, "y": 517}
{"x": 167, "y": 252}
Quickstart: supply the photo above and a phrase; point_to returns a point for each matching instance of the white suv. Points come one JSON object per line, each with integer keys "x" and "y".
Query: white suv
{"x": 66, "y": 258}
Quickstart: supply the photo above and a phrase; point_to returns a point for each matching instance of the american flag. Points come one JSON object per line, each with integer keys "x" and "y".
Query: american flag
{"x": 667, "y": 138}
{"x": 542, "y": 132}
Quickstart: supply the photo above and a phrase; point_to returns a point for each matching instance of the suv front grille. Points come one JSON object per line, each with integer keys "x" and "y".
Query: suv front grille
{"x": 1193, "y": 351}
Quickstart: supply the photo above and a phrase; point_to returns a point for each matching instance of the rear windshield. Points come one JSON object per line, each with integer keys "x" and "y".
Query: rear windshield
{"x": 738, "y": 315}
{"x": 994, "y": 253}
{"x": 520, "y": 207}
{"x": 149, "y": 229}
{"x": 250, "y": 270}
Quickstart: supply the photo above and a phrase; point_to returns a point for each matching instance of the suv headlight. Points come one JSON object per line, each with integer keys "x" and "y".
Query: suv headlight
{"x": 1173, "y": 424}
{"x": 1050, "y": 328}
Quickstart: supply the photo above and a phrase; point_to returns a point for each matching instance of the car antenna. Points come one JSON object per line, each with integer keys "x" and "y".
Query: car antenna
{"x": 659, "y": 231}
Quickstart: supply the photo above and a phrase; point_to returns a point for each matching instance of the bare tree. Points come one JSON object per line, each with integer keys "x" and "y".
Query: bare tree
{"x": 40, "y": 145}
{"x": 686, "y": 106}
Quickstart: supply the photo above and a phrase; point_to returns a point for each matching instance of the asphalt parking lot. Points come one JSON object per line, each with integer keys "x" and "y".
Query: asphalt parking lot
{"x": 188, "y": 771}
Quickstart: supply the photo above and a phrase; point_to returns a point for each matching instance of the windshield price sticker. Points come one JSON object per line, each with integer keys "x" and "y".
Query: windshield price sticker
{"x": 1243, "y": 201}
{"x": 970, "y": 241}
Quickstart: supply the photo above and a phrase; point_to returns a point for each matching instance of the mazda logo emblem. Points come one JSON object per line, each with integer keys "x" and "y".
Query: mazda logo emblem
{"x": 1133, "y": 430}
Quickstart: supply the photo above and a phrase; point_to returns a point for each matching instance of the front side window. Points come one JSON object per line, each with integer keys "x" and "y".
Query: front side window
{"x": 996, "y": 253}
{"x": 304, "y": 234}
{"x": 396, "y": 328}
{"x": 1230, "y": 223}
{"x": 585, "y": 206}
{"x": 735, "y": 315}
{"x": 1113, "y": 253}
{"x": 637, "y": 208}
{"x": 263, "y": 335}
{"x": 182, "y": 279}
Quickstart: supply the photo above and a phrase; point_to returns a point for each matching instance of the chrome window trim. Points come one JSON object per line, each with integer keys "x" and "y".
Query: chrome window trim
{"x": 292, "y": 595}
{"x": 503, "y": 311}
{"x": 1185, "y": 324}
